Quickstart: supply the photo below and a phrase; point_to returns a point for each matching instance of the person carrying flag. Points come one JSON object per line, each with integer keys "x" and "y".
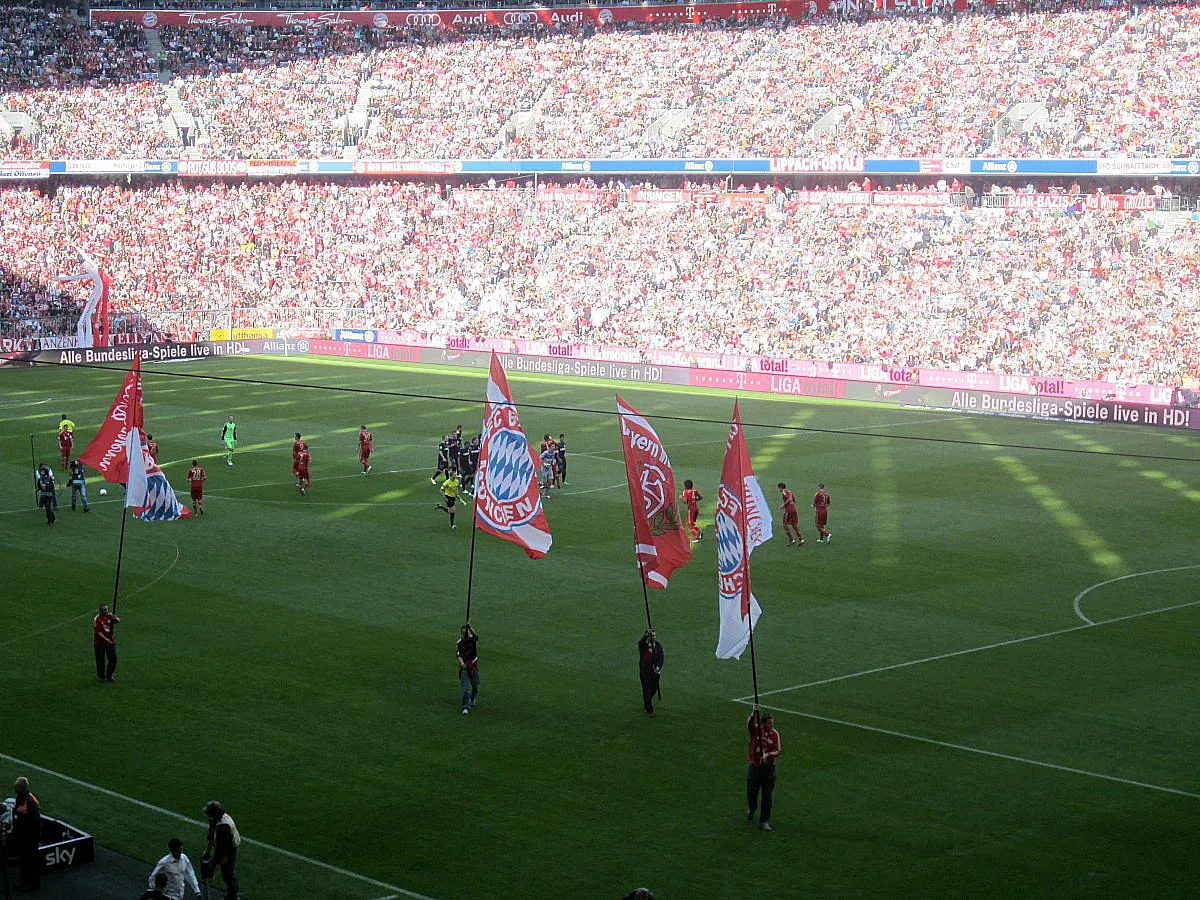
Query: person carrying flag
{"x": 365, "y": 441}
{"x": 78, "y": 484}
{"x": 451, "y": 489}
{"x": 229, "y": 439}
{"x": 104, "y": 642}
{"x": 691, "y": 499}
{"x": 467, "y": 652}
{"x": 196, "y": 476}
{"x": 152, "y": 447}
{"x": 760, "y": 773}
{"x": 791, "y": 517}
{"x": 650, "y": 663}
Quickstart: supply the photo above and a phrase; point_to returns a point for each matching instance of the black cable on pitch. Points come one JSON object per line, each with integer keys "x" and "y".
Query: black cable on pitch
{"x": 805, "y": 429}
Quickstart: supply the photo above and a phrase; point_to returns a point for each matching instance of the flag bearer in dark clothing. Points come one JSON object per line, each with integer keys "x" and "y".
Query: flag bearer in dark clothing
{"x": 650, "y": 663}
{"x": 78, "y": 484}
{"x": 467, "y": 651}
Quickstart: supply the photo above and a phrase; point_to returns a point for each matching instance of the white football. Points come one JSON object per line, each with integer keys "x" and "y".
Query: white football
{"x": 103, "y": 491}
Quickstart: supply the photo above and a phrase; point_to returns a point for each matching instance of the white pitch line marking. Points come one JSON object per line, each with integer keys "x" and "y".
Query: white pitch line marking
{"x": 980, "y": 751}
{"x": 1020, "y": 640}
{"x": 1086, "y": 591}
{"x": 398, "y": 891}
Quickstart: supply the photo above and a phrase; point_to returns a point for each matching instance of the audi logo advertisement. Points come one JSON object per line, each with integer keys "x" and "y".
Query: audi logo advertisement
{"x": 566, "y": 16}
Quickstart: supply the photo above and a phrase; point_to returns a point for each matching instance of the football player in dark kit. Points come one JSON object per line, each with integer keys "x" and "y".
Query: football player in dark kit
{"x": 650, "y": 663}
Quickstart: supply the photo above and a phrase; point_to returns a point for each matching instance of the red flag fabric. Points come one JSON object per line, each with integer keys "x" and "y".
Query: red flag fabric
{"x": 106, "y": 453}
{"x": 662, "y": 546}
{"x": 743, "y": 521}
{"x": 508, "y": 503}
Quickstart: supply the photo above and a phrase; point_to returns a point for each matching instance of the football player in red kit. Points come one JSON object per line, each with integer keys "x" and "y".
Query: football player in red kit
{"x": 196, "y": 476}
{"x": 691, "y": 499}
{"x": 365, "y": 440}
{"x": 791, "y": 517}
{"x": 298, "y": 445}
{"x": 303, "y": 481}
{"x": 66, "y": 440}
{"x": 821, "y": 509}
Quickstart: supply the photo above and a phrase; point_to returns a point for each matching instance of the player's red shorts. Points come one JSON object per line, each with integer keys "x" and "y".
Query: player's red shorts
{"x": 302, "y": 474}
{"x": 692, "y": 516}
{"x": 364, "y": 453}
{"x": 198, "y": 493}
{"x": 822, "y": 516}
{"x": 295, "y": 468}
{"x": 791, "y": 518}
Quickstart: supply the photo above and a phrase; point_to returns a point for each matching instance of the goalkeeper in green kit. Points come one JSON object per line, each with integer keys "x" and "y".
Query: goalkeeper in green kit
{"x": 229, "y": 439}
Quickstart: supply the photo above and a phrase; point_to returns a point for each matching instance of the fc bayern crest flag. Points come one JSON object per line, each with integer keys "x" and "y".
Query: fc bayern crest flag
{"x": 147, "y": 489}
{"x": 106, "y": 453}
{"x": 508, "y": 503}
{"x": 661, "y": 544}
{"x": 743, "y": 522}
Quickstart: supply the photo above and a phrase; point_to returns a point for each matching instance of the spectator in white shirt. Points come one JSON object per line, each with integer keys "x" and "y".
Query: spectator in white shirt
{"x": 178, "y": 869}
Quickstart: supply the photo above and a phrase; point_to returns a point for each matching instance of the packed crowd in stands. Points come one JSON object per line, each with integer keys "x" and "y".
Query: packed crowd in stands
{"x": 1081, "y": 293}
{"x": 1068, "y": 81}
{"x": 89, "y": 92}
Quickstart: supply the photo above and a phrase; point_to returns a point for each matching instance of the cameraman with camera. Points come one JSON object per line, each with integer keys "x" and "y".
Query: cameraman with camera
{"x": 221, "y": 849}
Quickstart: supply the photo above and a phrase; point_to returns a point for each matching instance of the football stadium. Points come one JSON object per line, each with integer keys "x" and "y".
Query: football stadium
{"x": 497, "y": 450}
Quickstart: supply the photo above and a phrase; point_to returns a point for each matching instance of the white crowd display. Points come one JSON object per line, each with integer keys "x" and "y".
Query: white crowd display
{"x": 1108, "y": 80}
{"x": 1089, "y": 294}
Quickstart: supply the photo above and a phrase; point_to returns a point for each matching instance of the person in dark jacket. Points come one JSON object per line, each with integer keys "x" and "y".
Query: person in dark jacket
{"x": 27, "y": 833}
{"x": 47, "y": 496}
{"x": 650, "y": 663}
{"x": 221, "y": 850}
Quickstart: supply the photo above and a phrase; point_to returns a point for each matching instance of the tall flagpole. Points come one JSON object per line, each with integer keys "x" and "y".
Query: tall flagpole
{"x": 746, "y": 584}
{"x": 120, "y": 551}
{"x": 33, "y": 459}
{"x": 471, "y": 562}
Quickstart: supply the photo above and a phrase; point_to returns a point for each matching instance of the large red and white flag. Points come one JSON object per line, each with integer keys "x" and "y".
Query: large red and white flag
{"x": 508, "y": 503}
{"x": 661, "y": 544}
{"x": 743, "y": 522}
{"x": 147, "y": 489}
{"x": 106, "y": 453}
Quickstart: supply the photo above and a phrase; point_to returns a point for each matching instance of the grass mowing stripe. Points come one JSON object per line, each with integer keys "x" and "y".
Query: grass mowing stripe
{"x": 998, "y": 644}
{"x": 980, "y": 751}
{"x": 179, "y": 817}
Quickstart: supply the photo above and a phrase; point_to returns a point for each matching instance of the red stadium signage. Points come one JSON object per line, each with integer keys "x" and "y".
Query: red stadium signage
{"x": 557, "y": 17}
{"x": 209, "y": 168}
{"x": 1116, "y": 202}
{"x": 406, "y": 167}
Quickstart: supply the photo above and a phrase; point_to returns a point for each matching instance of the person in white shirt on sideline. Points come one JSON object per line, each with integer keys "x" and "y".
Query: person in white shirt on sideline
{"x": 178, "y": 869}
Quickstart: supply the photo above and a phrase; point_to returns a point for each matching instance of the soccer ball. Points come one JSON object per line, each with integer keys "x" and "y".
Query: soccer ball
{"x": 103, "y": 491}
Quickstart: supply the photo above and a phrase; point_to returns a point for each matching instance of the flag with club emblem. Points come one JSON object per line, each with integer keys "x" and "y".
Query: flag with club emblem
{"x": 661, "y": 544}
{"x": 743, "y": 522}
{"x": 106, "y": 452}
{"x": 508, "y": 503}
{"x": 147, "y": 490}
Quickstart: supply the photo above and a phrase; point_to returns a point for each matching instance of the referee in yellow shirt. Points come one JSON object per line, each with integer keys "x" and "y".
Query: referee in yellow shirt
{"x": 451, "y": 489}
{"x": 66, "y": 424}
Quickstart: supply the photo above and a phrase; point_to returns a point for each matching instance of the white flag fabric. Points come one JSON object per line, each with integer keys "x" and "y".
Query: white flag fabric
{"x": 135, "y": 484}
{"x": 743, "y": 521}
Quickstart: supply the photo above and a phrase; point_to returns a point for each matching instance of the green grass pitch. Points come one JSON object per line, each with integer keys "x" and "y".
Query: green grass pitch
{"x": 952, "y": 726}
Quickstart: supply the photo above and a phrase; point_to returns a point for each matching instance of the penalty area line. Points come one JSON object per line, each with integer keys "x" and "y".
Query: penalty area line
{"x": 290, "y": 854}
{"x": 970, "y": 650}
{"x": 981, "y": 752}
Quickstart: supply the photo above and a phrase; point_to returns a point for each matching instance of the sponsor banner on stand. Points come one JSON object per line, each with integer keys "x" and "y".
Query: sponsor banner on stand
{"x": 358, "y": 335}
{"x": 268, "y": 168}
{"x": 13, "y": 169}
{"x": 240, "y": 334}
{"x": 213, "y": 168}
{"x": 571, "y": 196}
{"x": 407, "y": 166}
{"x": 104, "y": 166}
